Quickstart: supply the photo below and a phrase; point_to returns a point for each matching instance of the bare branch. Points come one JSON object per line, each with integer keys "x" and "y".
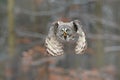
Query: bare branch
{"x": 104, "y": 36}
{"x": 29, "y": 34}
{"x": 40, "y": 13}
{"x": 44, "y": 60}
{"x": 112, "y": 49}
{"x": 102, "y": 20}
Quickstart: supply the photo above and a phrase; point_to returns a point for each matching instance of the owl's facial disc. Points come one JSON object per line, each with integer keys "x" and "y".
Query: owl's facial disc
{"x": 65, "y": 34}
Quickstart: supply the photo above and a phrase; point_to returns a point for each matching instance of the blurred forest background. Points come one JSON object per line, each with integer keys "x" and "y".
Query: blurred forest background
{"x": 24, "y": 25}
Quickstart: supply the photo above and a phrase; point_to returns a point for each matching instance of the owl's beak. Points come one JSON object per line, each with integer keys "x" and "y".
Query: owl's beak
{"x": 65, "y": 35}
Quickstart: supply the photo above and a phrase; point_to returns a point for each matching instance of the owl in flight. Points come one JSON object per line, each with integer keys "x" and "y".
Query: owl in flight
{"x": 62, "y": 32}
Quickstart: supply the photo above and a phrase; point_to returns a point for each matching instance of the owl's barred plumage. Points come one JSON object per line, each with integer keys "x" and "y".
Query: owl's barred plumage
{"x": 61, "y": 32}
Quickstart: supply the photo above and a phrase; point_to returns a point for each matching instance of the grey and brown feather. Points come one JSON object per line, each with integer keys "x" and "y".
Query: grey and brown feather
{"x": 54, "y": 46}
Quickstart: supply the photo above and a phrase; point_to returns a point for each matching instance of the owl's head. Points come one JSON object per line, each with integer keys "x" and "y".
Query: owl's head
{"x": 65, "y": 31}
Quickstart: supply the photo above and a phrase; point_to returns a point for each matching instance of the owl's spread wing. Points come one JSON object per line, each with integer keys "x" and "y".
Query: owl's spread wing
{"x": 81, "y": 44}
{"x": 53, "y": 46}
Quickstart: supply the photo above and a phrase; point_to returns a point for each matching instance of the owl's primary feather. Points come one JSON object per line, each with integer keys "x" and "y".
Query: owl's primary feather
{"x": 61, "y": 32}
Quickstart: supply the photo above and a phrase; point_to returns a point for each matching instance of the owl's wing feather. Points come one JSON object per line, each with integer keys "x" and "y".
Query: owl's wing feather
{"x": 81, "y": 44}
{"x": 53, "y": 46}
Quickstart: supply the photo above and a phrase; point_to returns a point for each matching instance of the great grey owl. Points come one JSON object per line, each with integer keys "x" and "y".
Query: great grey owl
{"x": 61, "y": 32}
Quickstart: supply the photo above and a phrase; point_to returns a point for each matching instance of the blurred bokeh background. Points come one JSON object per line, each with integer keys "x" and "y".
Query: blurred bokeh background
{"x": 24, "y": 25}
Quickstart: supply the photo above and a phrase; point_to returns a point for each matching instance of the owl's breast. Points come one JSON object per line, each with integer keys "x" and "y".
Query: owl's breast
{"x": 69, "y": 47}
